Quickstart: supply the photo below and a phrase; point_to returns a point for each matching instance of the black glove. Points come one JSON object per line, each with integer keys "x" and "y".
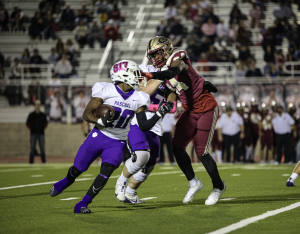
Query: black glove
{"x": 210, "y": 87}
{"x": 164, "y": 108}
{"x": 107, "y": 119}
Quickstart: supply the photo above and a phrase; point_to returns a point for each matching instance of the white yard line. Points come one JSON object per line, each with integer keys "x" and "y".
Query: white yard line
{"x": 148, "y": 198}
{"x": 70, "y": 198}
{"x": 37, "y": 175}
{"x": 20, "y": 169}
{"x": 245, "y": 222}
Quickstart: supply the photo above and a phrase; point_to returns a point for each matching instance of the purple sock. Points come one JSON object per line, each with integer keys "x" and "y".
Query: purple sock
{"x": 62, "y": 184}
{"x": 87, "y": 199}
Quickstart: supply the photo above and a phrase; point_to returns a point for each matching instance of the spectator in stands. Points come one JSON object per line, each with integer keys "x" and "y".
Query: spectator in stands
{"x": 254, "y": 15}
{"x": 197, "y": 23}
{"x": 13, "y": 92}
{"x": 161, "y": 29}
{"x": 176, "y": 33}
{"x": 210, "y": 15}
{"x": 212, "y": 55}
{"x": 110, "y": 32}
{"x": 36, "y": 59}
{"x": 16, "y": 70}
{"x": 57, "y": 105}
{"x": 170, "y": 13}
{"x": 67, "y": 18}
{"x": 82, "y": 15}
{"x": 193, "y": 42}
{"x": 80, "y": 103}
{"x": 226, "y": 55}
{"x": 63, "y": 68}
{"x": 235, "y": 15}
{"x": 101, "y": 6}
{"x": 253, "y": 71}
{"x": 17, "y": 18}
{"x": 283, "y": 11}
{"x": 209, "y": 29}
{"x": 52, "y": 59}
{"x": 70, "y": 46}
{"x": 203, "y": 69}
{"x": 243, "y": 36}
{"x": 25, "y": 59}
{"x": 81, "y": 32}
{"x": 54, "y": 82}
{"x": 115, "y": 14}
{"x": 279, "y": 31}
{"x": 240, "y": 72}
{"x": 183, "y": 8}
{"x": 49, "y": 25}
{"x": 279, "y": 60}
{"x": 4, "y": 19}
{"x": 294, "y": 36}
{"x": 269, "y": 56}
{"x": 37, "y": 122}
{"x": 232, "y": 35}
{"x": 44, "y": 7}
{"x": 36, "y": 26}
{"x": 103, "y": 16}
{"x": 59, "y": 46}
{"x": 68, "y": 55}
{"x": 273, "y": 73}
{"x": 269, "y": 39}
{"x": 245, "y": 55}
{"x": 222, "y": 31}
{"x": 96, "y": 33}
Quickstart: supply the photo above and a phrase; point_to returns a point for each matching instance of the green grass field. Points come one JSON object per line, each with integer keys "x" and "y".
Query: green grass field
{"x": 256, "y": 189}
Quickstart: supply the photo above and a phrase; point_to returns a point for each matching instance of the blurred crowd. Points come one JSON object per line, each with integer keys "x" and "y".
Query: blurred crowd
{"x": 212, "y": 39}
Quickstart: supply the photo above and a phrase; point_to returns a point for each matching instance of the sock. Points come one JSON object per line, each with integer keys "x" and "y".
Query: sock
{"x": 123, "y": 179}
{"x": 130, "y": 190}
{"x": 212, "y": 170}
{"x": 213, "y": 155}
{"x": 193, "y": 182}
{"x": 98, "y": 184}
{"x": 293, "y": 177}
{"x": 184, "y": 162}
{"x": 219, "y": 156}
{"x": 248, "y": 152}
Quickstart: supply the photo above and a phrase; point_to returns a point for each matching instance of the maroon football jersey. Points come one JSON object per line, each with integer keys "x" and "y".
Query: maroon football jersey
{"x": 188, "y": 85}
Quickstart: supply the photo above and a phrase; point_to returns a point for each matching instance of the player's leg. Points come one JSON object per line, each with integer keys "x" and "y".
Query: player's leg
{"x": 87, "y": 153}
{"x": 112, "y": 156}
{"x": 168, "y": 139}
{"x": 206, "y": 126}
{"x": 162, "y": 152}
{"x": 291, "y": 181}
{"x": 138, "y": 178}
{"x": 140, "y": 154}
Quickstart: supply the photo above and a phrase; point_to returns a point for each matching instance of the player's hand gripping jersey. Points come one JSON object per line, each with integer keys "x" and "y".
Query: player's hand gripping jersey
{"x": 125, "y": 105}
{"x": 188, "y": 85}
{"x": 154, "y": 99}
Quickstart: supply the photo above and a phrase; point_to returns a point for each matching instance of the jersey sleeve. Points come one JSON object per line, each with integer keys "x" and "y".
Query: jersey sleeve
{"x": 97, "y": 90}
{"x": 180, "y": 54}
{"x": 144, "y": 99}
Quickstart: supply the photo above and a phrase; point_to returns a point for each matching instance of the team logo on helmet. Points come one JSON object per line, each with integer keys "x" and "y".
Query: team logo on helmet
{"x": 162, "y": 40}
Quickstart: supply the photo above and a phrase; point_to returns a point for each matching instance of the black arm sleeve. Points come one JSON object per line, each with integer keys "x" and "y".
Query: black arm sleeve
{"x": 144, "y": 124}
{"x": 167, "y": 74}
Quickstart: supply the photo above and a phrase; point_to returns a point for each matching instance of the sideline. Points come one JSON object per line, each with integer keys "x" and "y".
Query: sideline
{"x": 245, "y": 222}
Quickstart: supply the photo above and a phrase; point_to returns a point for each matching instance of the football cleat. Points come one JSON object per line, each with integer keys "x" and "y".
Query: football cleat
{"x": 192, "y": 191}
{"x": 133, "y": 199}
{"x": 81, "y": 207}
{"x": 53, "y": 192}
{"x": 60, "y": 186}
{"x": 215, "y": 195}
{"x": 120, "y": 190}
{"x": 289, "y": 183}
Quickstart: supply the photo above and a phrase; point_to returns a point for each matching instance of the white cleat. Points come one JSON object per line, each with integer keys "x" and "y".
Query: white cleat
{"x": 215, "y": 195}
{"x": 192, "y": 192}
{"x": 133, "y": 198}
{"x": 120, "y": 190}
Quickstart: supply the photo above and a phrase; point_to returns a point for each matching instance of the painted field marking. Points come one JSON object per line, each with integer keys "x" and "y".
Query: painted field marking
{"x": 235, "y": 174}
{"x": 167, "y": 168}
{"x": 70, "y": 198}
{"x": 245, "y": 222}
{"x": 37, "y": 175}
{"x": 19, "y": 169}
{"x": 294, "y": 198}
{"x": 228, "y": 199}
{"x": 148, "y": 198}
{"x": 285, "y": 174}
{"x": 87, "y": 175}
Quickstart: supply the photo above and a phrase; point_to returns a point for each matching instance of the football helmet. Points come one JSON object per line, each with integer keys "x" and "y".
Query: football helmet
{"x": 159, "y": 49}
{"x": 128, "y": 72}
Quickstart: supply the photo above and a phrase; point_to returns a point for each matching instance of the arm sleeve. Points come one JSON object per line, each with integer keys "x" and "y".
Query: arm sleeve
{"x": 167, "y": 74}
{"x": 144, "y": 124}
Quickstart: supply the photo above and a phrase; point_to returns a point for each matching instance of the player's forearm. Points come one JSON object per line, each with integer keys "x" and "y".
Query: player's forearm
{"x": 152, "y": 86}
{"x": 167, "y": 74}
{"x": 154, "y": 107}
{"x": 144, "y": 124}
{"x": 90, "y": 117}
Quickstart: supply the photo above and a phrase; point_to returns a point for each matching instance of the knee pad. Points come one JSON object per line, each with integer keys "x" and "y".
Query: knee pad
{"x": 143, "y": 174}
{"x": 73, "y": 173}
{"x": 106, "y": 170}
{"x": 137, "y": 161}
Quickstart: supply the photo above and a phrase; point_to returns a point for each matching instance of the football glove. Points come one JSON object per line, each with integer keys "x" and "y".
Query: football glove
{"x": 210, "y": 87}
{"x": 164, "y": 108}
{"x": 107, "y": 119}
{"x": 148, "y": 75}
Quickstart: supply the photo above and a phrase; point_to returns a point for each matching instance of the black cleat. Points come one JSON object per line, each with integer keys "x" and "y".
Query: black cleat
{"x": 83, "y": 210}
{"x": 53, "y": 192}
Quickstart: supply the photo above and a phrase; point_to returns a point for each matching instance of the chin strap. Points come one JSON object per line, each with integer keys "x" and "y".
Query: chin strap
{"x": 154, "y": 107}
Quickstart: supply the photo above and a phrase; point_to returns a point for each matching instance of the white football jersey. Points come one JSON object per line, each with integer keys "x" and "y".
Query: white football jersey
{"x": 125, "y": 105}
{"x": 157, "y": 128}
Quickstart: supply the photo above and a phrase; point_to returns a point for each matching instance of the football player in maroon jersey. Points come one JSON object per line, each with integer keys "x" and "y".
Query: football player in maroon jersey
{"x": 199, "y": 118}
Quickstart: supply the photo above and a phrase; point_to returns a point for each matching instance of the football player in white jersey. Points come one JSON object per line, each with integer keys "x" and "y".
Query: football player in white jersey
{"x": 143, "y": 146}
{"x": 108, "y": 138}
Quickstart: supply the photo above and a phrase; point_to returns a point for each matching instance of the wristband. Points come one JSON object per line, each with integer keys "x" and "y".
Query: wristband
{"x": 100, "y": 122}
{"x": 158, "y": 114}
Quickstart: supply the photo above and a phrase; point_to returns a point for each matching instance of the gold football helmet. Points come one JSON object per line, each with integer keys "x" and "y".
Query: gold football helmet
{"x": 159, "y": 49}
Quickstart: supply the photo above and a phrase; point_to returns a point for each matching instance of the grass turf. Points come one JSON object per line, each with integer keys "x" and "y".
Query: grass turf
{"x": 256, "y": 189}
